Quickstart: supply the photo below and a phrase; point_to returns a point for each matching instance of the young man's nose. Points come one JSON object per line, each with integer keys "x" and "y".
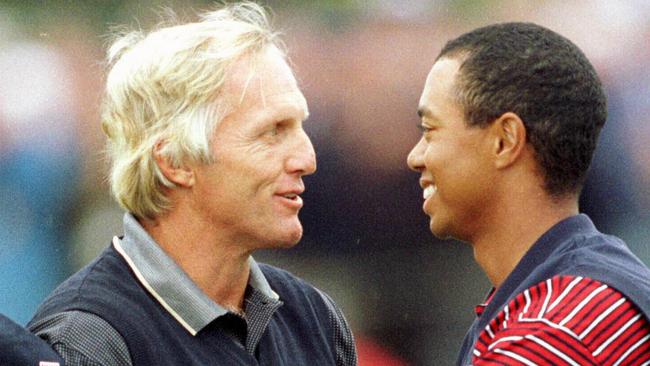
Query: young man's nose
{"x": 415, "y": 159}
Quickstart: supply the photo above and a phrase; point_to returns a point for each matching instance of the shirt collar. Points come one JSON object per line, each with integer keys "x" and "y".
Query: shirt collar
{"x": 169, "y": 284}
{"x": 554, "y": 239}
{"x": 480, "y": 308}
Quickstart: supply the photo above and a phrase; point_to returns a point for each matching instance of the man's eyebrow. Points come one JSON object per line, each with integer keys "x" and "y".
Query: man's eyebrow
{"x": 286, "y": 113}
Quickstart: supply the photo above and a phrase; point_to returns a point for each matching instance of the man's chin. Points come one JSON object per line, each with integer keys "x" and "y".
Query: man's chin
{"x": 445, "y": 232}
{"x": 288, "y": 238}
{"x": 438, "y": 230}
{"x": 294, "y": 239}
{"x": 284, "y": 244}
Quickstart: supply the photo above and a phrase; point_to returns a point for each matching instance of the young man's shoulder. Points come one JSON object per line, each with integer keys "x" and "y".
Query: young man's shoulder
{"x": 567, "y": 319}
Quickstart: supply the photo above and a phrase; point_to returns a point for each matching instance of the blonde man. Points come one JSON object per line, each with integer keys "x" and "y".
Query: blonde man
{"x": 205, "y": 129}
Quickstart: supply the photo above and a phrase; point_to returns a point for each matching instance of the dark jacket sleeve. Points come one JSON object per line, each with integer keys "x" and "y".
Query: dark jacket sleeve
{"x": 20, "y": 347}
{"x": 346, "y": 353}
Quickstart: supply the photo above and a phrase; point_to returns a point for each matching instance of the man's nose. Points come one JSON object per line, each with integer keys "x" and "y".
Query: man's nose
{"x": 415, "y": 159}
{"x": 302, "y": 159}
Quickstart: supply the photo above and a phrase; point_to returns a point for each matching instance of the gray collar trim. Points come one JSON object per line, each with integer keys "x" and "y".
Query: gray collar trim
{"x": 169, "y": 284}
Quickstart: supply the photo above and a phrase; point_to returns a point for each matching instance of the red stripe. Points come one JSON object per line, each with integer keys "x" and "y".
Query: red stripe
{"x": 640, "y": 355}
{"x": 565, "y": 339}
{"x": 611, "y": 325}
{"x": 626, "y": 340}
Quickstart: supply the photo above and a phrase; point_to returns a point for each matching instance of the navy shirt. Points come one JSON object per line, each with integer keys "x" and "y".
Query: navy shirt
{"x": 86, "y": 320}
{"x": 573, "y": 247}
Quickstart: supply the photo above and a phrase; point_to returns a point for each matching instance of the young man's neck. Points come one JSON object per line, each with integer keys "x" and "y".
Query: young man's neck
{"x": 514, "y": 229}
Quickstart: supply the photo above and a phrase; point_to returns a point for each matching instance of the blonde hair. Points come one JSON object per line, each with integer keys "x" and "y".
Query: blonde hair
{"x": 163, "y": 88}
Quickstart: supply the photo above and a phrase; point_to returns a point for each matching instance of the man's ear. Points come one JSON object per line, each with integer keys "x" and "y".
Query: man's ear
{"x": 510, "y": 139}
{"x": 181, "y": 175}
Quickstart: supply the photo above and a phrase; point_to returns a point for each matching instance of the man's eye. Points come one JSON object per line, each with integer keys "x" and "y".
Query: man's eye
{"x": 272, "y": 131}
{"x": 425, "y": 129}
{"x": 276, "y": 130}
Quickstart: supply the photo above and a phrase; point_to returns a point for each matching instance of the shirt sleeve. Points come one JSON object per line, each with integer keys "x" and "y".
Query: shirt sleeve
{"x": 83, "y": 339}
{"x": 566, "y": 320}
{"x": 346, "y": 353}
{"x": 540, "y": 344}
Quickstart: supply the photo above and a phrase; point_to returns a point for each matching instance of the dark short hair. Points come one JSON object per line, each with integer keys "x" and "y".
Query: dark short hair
{"x": 543, "y": 78}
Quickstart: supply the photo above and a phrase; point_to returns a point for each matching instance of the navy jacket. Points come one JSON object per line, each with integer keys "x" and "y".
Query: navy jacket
{"x": 572, "y": 247}
{"x": 299, "y": 333}
{"x": 19, "y": 347}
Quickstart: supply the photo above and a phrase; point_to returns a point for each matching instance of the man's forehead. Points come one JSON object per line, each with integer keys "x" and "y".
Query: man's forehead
{"x": 441, "y": 80}
{"x": 259, "y": 79}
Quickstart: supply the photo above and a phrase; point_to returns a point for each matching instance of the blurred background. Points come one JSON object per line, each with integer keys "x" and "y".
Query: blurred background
{"x": 361, "y": 65}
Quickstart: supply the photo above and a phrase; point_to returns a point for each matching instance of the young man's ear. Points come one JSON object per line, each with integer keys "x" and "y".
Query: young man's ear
{"x": 182, "y": 175}
{"x": 510, "y": 139}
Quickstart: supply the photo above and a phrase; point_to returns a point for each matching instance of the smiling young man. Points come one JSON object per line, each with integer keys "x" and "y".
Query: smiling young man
{"x": 510, "y": 115}
{"x": 205, "y": 128}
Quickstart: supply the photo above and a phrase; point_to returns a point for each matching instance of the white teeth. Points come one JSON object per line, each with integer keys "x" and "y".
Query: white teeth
{"x": 290, "y": 196}
{"x": 429, "y": 191}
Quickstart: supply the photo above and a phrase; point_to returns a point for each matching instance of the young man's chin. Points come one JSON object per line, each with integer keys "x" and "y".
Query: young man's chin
{"x": 439, "y": 229}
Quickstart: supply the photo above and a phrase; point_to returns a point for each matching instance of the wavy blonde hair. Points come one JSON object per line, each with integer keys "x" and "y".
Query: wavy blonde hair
{"x": 163, "y": 88}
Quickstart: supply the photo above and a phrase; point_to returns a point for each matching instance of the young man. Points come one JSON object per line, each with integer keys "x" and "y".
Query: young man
{"x": 205, "y": 129}
{"x": 510, "y": 115}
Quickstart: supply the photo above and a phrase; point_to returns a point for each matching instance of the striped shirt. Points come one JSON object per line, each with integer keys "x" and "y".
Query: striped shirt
{"x": 565, "y": 320}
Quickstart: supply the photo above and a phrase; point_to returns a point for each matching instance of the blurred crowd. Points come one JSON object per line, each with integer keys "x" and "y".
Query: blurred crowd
{"x": 361, "y": 65}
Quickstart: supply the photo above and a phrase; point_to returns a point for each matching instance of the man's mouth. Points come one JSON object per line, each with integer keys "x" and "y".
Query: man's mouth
{"x": 290, "y": 196}
{"x": 429, "y": 191}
